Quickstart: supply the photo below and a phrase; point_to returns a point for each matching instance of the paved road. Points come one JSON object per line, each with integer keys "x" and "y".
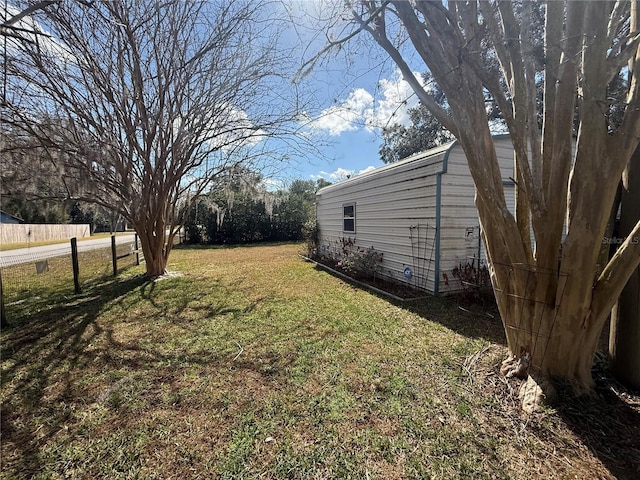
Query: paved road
{"x": 32, "y": 254}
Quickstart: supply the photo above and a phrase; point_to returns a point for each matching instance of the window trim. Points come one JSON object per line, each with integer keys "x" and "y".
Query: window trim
{"x": 346, "y": 218}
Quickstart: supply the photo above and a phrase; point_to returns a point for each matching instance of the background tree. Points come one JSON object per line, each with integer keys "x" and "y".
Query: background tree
{"x": 305, "y": 189}
{"x": 424, "y": 132}
{"x": 32, "y": 189}
{"x": 242, "y": 210}
{"x": 99, "y": 218}
{"x": 321, "y": 183}
{"x": 141, "y": 104}
{"x": 29, "y": 185}
{"x": 553, "y": 308}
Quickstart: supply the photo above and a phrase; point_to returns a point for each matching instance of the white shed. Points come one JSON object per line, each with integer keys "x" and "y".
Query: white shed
{"x": 419, "y": 213}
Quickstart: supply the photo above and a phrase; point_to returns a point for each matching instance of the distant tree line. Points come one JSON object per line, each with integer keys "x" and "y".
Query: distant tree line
{"x": 237, "y": 209}
{"x": 240, "y": 210}
{"x": 33, "y": 190}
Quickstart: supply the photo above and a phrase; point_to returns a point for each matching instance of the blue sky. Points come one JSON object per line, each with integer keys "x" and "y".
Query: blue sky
{"x": 351, "y": 123}
{"x": 357, "y": 90}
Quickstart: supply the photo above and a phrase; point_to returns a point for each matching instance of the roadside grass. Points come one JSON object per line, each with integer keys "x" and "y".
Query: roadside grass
{"x": 250, "y": 363}
{"x": 25, "y": 288}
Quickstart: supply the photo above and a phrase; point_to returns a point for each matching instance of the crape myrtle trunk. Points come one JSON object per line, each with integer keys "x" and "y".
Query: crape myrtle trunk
{"x": 156, "y": 242}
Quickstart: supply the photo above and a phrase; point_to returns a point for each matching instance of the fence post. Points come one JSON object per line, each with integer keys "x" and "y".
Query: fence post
{"x": 75, "y": 265}
{"x": 114, "y": 258}
{"x": 3, "y": 313}
{"x": 135, "y": 237}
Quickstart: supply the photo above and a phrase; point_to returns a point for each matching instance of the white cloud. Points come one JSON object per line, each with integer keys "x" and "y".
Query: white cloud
{"x": 365, "y": 170}
{"x": 33, "y": 32}
{"x": 362, "y": 110}
{"x": 396, "y": 98}
{"x": 273, "y": 184}
{"x": 340, "y": 174}
{"x": 347, "y": 116}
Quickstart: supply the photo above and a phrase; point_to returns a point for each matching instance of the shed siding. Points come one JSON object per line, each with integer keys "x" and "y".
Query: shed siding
{"x": 458, "y": 213}
{"x": 388, "y": 204}
{"x": 396, "y": 209}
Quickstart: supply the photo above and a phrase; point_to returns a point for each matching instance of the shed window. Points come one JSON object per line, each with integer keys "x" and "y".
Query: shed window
{"x": 349, "y": 218}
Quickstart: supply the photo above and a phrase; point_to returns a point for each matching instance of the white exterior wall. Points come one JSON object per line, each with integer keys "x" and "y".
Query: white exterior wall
{"x": 397, "y": 210}
{"x": 389, "y": 202}
{"x": 460, "y": 239}
{"x": 457, "y": 214}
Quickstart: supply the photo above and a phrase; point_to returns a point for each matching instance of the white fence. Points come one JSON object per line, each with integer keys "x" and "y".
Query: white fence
{"x": 25, "y": 233}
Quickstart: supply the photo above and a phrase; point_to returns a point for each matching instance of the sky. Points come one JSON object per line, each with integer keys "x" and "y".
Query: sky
{"x": 351, "y": 125}
{"x": 358, "y": 91}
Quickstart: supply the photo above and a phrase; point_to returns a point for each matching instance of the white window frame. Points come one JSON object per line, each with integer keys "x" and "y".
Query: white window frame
{"x": 346, "y": 217}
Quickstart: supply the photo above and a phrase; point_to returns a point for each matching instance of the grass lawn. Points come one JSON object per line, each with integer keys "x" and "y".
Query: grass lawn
{"x": 251, "y": 363}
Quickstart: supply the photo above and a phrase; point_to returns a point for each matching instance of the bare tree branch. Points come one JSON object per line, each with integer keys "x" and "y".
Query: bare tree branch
{"x": 26, "y": 12}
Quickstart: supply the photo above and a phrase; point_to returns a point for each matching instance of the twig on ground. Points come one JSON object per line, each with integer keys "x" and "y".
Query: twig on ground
{"x": 470, "y": 362}
{"x": 239, "y": 353}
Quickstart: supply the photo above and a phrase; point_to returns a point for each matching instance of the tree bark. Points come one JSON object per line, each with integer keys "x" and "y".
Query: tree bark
{"x": 3, "y": 313}
{"x": 153, "y": 242}
{"x": 552, "y": 312}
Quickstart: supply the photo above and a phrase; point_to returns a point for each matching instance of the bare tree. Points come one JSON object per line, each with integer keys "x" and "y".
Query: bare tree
{"x": 142, "y": 103}
{"x": 553, "y": 295}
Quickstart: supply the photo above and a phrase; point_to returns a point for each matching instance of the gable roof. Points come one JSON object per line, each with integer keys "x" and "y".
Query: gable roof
{"x": 442, "y": 149}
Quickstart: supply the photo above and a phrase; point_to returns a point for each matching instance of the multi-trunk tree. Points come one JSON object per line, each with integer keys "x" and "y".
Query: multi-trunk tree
{"x": 554, "y": 293}
{"x": 140, "y": 104}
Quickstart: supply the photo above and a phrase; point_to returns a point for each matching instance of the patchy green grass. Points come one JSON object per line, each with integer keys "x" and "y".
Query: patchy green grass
{"x": 251, "y": 363}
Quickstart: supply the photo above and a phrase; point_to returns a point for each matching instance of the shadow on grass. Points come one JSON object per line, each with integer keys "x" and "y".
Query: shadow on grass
{"x": 45, "y": 355}
{"x": 34, "y": 351}
{"x": 470, "y": 317}
{"x": 233, "y": 246}
{"x": 606, "y": 424}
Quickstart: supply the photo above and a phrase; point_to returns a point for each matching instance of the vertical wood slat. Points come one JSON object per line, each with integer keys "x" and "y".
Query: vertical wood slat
{"x": 3, "y": 321}
{"x": 136, "y": 248}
